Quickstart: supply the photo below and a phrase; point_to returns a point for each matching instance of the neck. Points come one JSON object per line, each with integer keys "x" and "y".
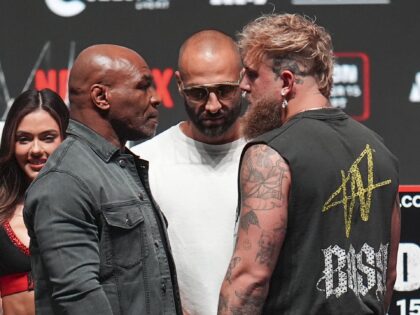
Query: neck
{"x": 19, "y": 210}
{"x": 100, "y": 125}
{"x": 312, "y": 102}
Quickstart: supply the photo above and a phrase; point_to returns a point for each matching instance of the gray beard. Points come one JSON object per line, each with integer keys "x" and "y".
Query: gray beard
{"x": 261, "y": 117}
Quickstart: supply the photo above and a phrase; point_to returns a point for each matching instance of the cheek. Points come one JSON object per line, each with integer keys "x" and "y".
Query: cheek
{"x": 21, "y": 152}
{"x": 255, "y": 87}
{"x": 196, "y": 109}
{"x": 140, "y": 103}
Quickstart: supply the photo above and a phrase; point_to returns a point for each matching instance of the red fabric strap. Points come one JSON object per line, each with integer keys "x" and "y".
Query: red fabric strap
{"x": 15, "y": 283}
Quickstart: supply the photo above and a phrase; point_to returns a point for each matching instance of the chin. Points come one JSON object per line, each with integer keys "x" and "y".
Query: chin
{"x": 31, "y": 176}
{"x": 142, "y": 135}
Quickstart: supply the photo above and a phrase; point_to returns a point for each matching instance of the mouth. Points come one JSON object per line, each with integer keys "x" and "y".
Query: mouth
{"x": 218, "y": 117}
{"x": 153, "y": 119}
{"x": 213, "y": 119}
{"x": 37, "y": 164}
{"x": 152, "y": 122}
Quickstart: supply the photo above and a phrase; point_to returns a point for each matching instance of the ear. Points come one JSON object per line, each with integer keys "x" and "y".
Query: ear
{"x": 99, "y": 96}
{"x": 178, "y": 80}
{"x": 288, "y": 78}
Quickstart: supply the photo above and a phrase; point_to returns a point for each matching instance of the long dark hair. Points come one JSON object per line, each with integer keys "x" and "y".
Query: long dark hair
{"x": 13, "y": 181}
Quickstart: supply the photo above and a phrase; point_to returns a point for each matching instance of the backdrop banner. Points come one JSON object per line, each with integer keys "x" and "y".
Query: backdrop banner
{"x": 376, "y": 78}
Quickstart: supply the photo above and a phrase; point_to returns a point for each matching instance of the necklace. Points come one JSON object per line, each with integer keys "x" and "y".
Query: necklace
{"x": 308, "y": 109}
{"x": 314, "y": 108}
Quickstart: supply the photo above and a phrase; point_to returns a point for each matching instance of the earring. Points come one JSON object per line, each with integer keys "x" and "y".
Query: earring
{"x": 284, "y": 103}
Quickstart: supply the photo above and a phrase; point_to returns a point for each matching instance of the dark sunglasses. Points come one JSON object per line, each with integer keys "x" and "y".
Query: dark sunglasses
{"x": 199, "y": 94}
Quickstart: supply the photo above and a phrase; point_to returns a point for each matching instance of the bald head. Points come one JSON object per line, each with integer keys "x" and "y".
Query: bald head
{"x": 111, "y": 91}
{"x": 209, "y": 67}
{"x": 208, "y": 48}
{"x": 98, "y": 64}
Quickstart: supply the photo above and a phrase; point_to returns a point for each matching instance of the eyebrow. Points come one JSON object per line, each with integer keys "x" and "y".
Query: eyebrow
{"x": 148, "y": 78}
{"x": 22, "y": 132}
{"x": 248, "y": 68}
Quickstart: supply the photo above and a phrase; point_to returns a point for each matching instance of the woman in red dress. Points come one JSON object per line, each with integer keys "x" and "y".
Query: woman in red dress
{"x": 34, "y": 128}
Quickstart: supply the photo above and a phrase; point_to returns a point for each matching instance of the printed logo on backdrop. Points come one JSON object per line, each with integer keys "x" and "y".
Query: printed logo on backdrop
{"x": 414, "y": 96}
{"x": 69, "y": 8}
{"x": 65, "y": 8}
{"x": 338, "y": 2}
{"x": 406, "y": 296}
{"x": 50, "y": 70}
{"x": 237, "y": 2}
{"x": 351, "y": 89}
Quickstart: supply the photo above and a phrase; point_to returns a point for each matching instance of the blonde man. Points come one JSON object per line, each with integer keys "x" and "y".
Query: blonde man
{"x": 319, "y": 216}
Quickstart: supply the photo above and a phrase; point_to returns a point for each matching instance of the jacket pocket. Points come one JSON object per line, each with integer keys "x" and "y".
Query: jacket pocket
{"x": 125, "y": 234}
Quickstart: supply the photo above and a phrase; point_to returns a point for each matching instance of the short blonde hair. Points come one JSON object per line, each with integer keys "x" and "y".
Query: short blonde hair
{"x": 291, "y": 37}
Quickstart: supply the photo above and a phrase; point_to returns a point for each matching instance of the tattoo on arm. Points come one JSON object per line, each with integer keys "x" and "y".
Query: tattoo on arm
{"x": 252, "y": 302}
{"x": 265, "y": 248}
{"x": 267, "y": 244}
{"x": 233, "y": 263}
{"x": 246, "y": 244}
{"x": 223, "y": 304}
{"x": 264, "y": 188}
{"x": 248, "y": 219}
{"x": 262, "y": 177}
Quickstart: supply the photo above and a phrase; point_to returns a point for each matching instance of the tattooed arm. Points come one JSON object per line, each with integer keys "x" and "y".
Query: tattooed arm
{"x": 264, "y": 186}
{"x": 395, "y": 241}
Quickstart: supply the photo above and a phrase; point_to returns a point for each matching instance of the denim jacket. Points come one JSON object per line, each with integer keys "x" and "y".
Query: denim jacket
{"x": 98, "y": 240}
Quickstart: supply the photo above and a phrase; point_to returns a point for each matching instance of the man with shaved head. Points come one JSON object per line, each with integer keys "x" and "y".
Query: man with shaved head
{"x": 194, "y": 164}
{"x": 98, "y": 240}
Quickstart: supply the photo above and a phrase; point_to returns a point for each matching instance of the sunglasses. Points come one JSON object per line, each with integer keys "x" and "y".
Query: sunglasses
{"x": 199, "y": 94}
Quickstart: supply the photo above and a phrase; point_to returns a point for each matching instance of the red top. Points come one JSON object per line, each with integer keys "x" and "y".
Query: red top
{"x": 15, "y": 265}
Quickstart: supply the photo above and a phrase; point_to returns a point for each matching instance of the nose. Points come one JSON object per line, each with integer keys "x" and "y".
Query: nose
{"x": 244, "y": 84}
{"x": 36, "y": 148}
{"x": 213, "y": 105}
{"x": 155, "y": 99}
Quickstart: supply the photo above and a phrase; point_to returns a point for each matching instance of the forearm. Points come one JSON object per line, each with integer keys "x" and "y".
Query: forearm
{"x": 94, "y": 302}
{"x": 246, "y": 298}
{"x": 389, "y": 289}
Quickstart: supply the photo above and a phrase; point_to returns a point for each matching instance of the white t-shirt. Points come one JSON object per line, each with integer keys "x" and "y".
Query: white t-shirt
{"x": 195, "y": 184}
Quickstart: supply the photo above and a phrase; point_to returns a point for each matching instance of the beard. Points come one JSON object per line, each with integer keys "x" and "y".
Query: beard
{"x": 229, "y": 115}
{"x": 261, "y": 117}
{"x": 135, "y": 130}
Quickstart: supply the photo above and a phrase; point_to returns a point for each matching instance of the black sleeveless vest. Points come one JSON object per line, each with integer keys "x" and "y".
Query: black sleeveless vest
{"x": 344, "y": 182}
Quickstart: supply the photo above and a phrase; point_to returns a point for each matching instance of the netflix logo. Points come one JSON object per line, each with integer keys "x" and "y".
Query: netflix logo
{"x": 57, "y": 81}
{"x": 50, "y": 69}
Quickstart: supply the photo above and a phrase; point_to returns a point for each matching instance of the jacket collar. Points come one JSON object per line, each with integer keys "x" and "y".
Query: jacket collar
{"x": 102, "y": 147}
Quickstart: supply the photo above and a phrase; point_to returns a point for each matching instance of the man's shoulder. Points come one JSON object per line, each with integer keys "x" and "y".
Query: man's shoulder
{"x": 72, "y": 153}
{"x": 73, "y": 158}
{"x": 69, "y": 171}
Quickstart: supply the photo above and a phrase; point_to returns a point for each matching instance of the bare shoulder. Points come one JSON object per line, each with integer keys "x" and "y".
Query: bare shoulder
{"x": 264, "y": 178}
{"x": 261, "y": 161}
